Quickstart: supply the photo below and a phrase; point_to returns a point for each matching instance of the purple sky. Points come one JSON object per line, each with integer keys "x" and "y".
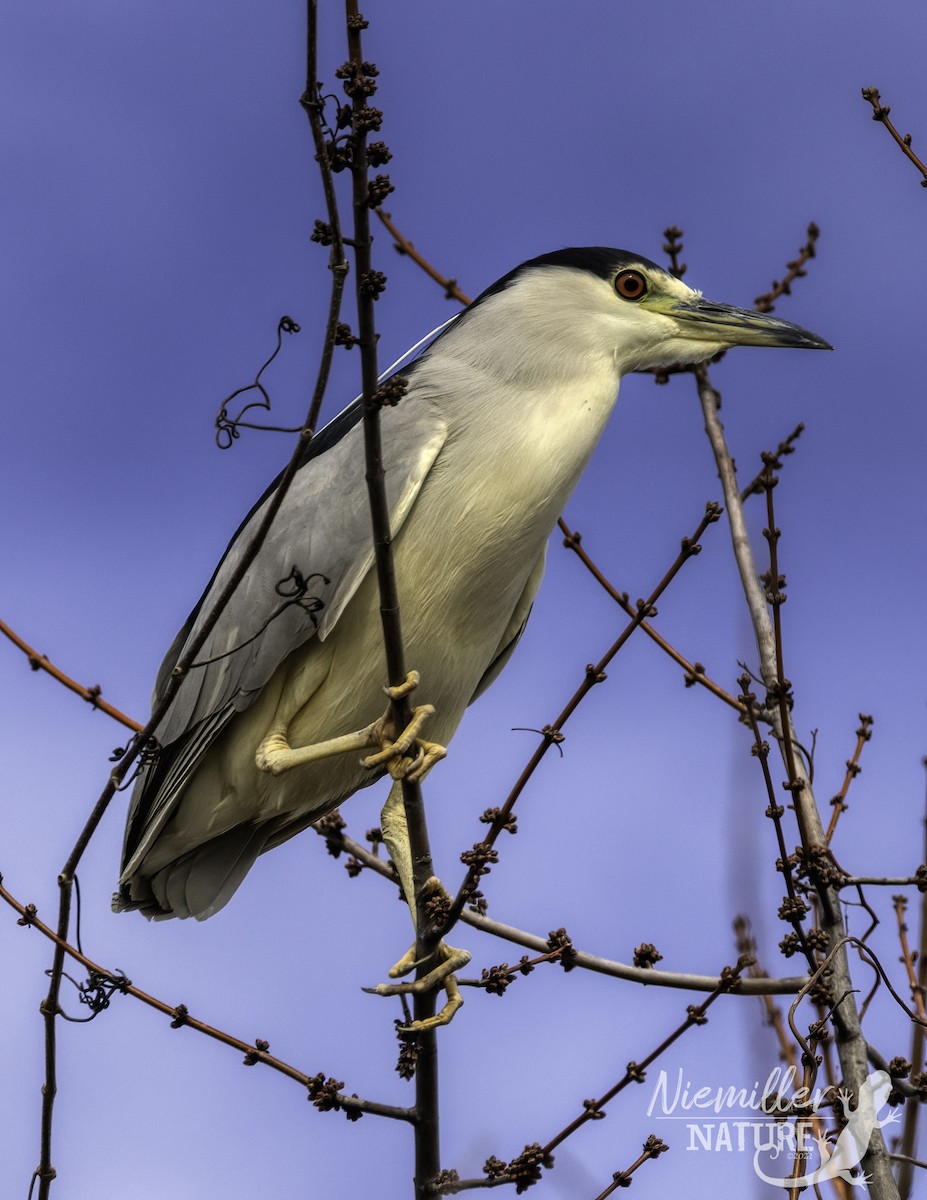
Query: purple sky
{"x": 158, "y": 192}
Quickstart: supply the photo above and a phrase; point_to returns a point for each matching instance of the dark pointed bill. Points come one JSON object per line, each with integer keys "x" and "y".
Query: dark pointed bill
{"x": 705, "y": 321}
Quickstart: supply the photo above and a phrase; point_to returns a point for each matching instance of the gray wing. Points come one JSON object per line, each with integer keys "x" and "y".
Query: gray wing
{"x": 317, "y": 552}
{"x": 312, "y": 561}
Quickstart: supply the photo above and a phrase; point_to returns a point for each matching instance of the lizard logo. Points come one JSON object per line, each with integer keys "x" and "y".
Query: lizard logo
{"x": 839, "y": 1159}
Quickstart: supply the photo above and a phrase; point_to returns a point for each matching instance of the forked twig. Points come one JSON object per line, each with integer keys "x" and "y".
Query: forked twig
{"x": 695, "y": 672}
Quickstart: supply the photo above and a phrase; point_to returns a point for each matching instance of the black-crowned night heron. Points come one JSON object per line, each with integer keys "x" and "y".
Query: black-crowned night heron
{"x": 501, "y": 415}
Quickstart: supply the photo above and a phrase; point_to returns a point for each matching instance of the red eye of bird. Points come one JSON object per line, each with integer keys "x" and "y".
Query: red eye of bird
{"x": 631, "y": 285}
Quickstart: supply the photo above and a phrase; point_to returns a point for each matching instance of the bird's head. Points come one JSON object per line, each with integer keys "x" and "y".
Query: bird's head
{"x": 595, "y": 301}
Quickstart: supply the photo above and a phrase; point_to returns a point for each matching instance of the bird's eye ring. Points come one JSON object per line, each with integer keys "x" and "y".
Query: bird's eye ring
{"x": 631, "y": 285}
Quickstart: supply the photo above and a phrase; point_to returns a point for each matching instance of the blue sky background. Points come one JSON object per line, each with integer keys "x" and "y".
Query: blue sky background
{"x": 158, "y": 193}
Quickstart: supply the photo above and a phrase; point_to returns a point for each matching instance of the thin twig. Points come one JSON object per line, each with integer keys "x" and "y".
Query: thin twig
{"x": 652, "y": 1148}
{"x": 880, "y": 113}
{"x": 93, "y": 695}
{"x": 404, "y": 246}
{"x": 908, "y": 1141}
{"x": 863, "y": 734}
{"x": 917, "y": 989}
{"x": 793, "y": 909}
{"x": 883, "y": 880}
{"x": 905, "y": 1158}
{"x": 746, "y": 944}
{"x": 795, "y": 270}
{"x": 526, "y": 1167}
{"x": 786, "y": 447}
{"x": 255, "y": 1052}
{"x": 695, "y": 672}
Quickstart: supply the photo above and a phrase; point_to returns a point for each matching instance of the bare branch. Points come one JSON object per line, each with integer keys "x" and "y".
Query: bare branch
{"x": 695, "y": 672}
{"x": 368, "y": 284}
{"x": 649, "y": 976}
{"x": 880, "y": 113}
{"x": 526, "y": 1167}
{"x": 404, "y": 246}
{"x": 851, "y": 1045}
{"x": 795, "y": 270}
{"x": 50, "y": 1005}
{"x": 863, "y": 734}
{"x": 908, "y": 1143}
{"x": 652, "y": 1148}
{"x": 93, "y": 695}
{"x": 917, "y": 989}
{"x": 254, "y": 1052}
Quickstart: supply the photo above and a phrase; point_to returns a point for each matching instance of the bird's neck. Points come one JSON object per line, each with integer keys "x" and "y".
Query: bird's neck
{"x": 533, "y": 425}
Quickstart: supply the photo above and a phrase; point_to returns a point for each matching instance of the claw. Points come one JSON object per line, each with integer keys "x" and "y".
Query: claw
{"x": 442, "y": 976}
{"x": 445, "y": 1016}
{"x": 394, "y": 752}
{"x": 404, "y": 689}
{"x": 400, "y": 747}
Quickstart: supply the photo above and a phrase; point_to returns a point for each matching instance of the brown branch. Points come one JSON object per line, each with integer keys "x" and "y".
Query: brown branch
{"x": 254, "y": 1052}
{"x": 917, "y": 989}
{"x": 795, "y": 270}
{"x": 695, "y": 672}
{"x": 652, "y": 1148}
{"x": 552, "y": 734}
{"x": 793, "y": 908}
{"x": 863, "y": 734}
{"x": 526, "y": 1167}
{"x": 93, "y": 695}
{"x": 906, "y": 1158}
{"x": 673, "y": 247}
{"x": 404, "y": 246}
{"x": 786, "y": 447}
{"x": 884, "y": 880}
{"x": 746, "y": 944}
{"x": 880, "y": 113}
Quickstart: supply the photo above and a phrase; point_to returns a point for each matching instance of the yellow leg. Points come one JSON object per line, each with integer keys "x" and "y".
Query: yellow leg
{"x": 275, "y": 754}
{"x": 449, "y": 959}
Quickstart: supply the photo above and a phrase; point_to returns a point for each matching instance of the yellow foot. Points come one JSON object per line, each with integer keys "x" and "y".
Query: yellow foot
{"x": 394, "y": 751}
{"x": 450, "y": 960}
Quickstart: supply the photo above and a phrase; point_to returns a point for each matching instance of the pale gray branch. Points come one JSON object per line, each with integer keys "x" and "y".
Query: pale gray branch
{"x": 648, "y": 976}
{"x": 851, "y": 1046}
